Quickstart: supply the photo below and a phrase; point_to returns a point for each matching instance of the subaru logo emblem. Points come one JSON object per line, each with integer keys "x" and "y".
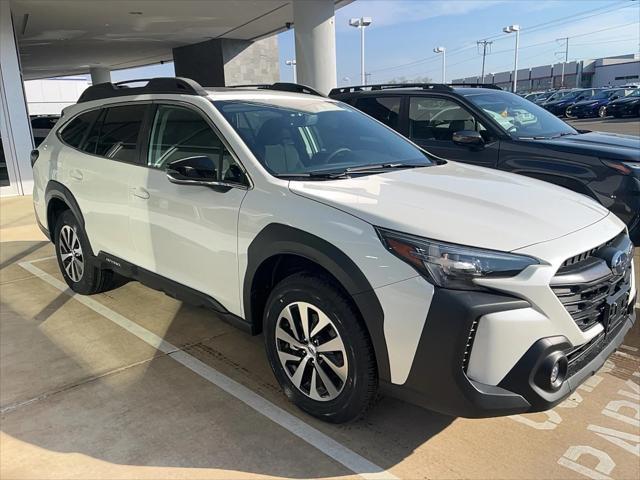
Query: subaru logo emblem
{"x": 619, "y": 262}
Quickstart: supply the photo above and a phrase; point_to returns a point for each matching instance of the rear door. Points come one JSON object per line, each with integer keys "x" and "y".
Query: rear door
{"x": 188, "y": 233}
{"x": 97, "y": 172}
{"x": 432, "y": 122}
{"x": 386, "y": 109}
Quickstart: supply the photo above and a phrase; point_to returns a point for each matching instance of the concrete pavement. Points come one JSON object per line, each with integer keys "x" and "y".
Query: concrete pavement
{"x": 83, "y": 397}
{"x": 627, "y": 126}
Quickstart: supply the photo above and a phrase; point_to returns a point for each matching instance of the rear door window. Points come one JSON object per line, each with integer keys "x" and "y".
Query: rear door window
{"x": 75, "y": 131}
{"x": 383, "y": 109}
{"x": 119, "y": 132}
{"x": 434, "y": 118}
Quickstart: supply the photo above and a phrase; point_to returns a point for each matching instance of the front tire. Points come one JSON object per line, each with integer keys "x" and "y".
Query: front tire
{"x": 318, "y": 348}
{"x": 80, "y": 269}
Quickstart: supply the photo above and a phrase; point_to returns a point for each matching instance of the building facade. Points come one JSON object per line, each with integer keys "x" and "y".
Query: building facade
{"x": 601, "y": 72}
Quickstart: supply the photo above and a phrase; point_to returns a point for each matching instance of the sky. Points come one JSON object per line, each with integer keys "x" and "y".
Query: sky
{"x": 400, "y": 41}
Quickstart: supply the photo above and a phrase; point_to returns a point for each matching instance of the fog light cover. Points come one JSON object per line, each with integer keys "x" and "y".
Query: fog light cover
{"x": 555, "y": 372}
{"x": 552, "y": 371}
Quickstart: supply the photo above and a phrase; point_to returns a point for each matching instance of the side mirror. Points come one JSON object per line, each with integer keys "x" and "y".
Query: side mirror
{"x": 615, "y": 97}
{"x": 193, "y": 171}
{"x": 468, "y": 138}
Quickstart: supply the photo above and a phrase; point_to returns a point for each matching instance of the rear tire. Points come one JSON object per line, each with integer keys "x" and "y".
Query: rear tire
{"x": 80, "y": 269}
{"x": 339, "y": 380}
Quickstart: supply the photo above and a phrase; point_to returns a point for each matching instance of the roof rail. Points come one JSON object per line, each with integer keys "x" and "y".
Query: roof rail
{"x": 423, "y": 86}
{"x": 477, "y": 85}
{"x": 282, "y": 87}
{"x": 179, "y": 85}
{"x": 385, "y": 86}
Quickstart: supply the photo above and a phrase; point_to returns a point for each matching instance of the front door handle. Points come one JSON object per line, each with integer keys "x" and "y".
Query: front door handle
{"x": 141, "y": 193}
{"x": 75, "y": 174}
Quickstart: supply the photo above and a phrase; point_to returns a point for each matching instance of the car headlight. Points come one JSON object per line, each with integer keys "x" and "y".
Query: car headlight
{"x": 452, "y": 266}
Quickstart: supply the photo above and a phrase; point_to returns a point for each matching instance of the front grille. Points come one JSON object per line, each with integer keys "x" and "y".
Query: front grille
{"x": 580, "y": 356}
{"x": 586, "y": 302}
{"x": 579, "y": 258}
{"x": 584, "y": 283}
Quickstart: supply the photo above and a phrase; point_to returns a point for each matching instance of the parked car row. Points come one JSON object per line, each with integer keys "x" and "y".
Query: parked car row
{"x": 590, "y": 102}
{"x": 368, "y": 262}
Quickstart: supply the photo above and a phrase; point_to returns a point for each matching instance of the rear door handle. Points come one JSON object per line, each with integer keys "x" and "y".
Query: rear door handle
{"x": 75, "y": 174}
{"x": 141, "y": 193}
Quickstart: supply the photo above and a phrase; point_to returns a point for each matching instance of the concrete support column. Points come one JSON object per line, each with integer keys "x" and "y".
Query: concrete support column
{"x": 100, "y": 75}
{"x": 315, "y": 35}
{"x": 15, "y": 127}
{"x": 227, "y": 61}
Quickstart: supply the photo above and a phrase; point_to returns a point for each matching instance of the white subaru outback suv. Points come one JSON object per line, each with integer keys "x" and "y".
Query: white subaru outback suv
{"x": 366, "y": 263}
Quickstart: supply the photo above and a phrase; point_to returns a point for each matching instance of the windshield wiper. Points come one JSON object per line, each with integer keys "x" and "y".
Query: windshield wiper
{"x": 369, "y": 169}
{"x": 564, "y": 134}
{"x": 345, "y": 173}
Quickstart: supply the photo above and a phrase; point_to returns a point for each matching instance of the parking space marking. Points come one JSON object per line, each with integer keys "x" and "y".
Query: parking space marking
{"x": 330, "y": 447}
{"x": 41, "y": 259}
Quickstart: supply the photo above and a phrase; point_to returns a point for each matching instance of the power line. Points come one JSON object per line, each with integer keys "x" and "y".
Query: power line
{"x": 541, "y": 26}
{"x": 466, "y": 60}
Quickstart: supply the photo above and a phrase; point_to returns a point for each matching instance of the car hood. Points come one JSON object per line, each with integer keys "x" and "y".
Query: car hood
{"x": 460, "y": 204}
{"x": 589, "y": 102}
{"x": 597, "y": 144}
{"x": 556, "y": 103}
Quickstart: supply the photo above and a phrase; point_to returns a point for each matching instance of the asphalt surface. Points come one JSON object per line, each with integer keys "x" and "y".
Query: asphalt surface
{"x": 133, "y": 384}
{"x": 628, "y": 126}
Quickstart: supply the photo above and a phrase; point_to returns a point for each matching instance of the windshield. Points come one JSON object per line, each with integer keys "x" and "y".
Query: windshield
{"x": 297, "y": 136}
{"x": 602, "y": 94}
{"x": 518, "y": 117}
{"x": 561, "y": 94}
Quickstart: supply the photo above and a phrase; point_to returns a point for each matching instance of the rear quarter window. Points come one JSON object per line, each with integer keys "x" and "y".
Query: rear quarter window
{"x": 75, "y": 131}
{"x": 119, "y": 132}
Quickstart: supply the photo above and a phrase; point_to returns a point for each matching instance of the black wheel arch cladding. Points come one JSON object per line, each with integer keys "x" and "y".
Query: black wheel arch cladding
{"x": 278, "y": 239}
{"x": 56, "y": 190}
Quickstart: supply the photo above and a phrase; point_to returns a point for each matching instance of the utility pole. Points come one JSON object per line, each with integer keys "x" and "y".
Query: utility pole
{"x": 566, "y": 57}
{"x": 486, "y": 48}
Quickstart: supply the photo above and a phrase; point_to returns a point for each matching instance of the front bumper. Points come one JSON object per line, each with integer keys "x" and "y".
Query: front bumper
{"x": 623, "y": 109}
{"x": 557, "y": 110}
{"x": 583, "y": 110}
{"x": 438, "y": 379}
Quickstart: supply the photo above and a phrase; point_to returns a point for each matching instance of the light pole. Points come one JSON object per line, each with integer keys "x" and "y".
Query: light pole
{"x": 292, "y": 63}
{"x": 361, "y": 23}
{"x": 443, "y": 51}
{"x": 516, "y": 29}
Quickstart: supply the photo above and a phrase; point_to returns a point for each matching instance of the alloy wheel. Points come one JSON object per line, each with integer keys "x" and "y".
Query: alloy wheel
{"x": 71, "y": 253}
{"x": 311, "y": 351}
{"x": 602, "y": 112}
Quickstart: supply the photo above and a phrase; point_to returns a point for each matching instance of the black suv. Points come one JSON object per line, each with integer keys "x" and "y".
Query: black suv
{"x": 484, "y": 125}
